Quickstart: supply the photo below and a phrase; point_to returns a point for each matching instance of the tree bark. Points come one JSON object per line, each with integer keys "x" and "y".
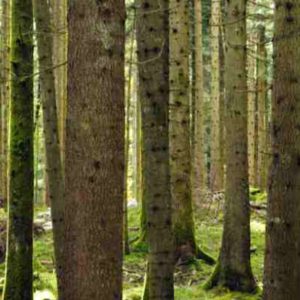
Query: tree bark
{"x": 18, "y": 281}
{"x": 153, "y": 63}
{"x": 216, "y": 170}
{"x": 262, "y": 109}
{"x": 54, "y": 170}
{"x": 233, "y": 269}
{"x": 251, "y": 85}
{"x": 94, "y": 161}
{"x": 59, "y": 24}
{"x": 5, "y": 92}
{"x": 199, "y": 171}
{"x": 282, "y": 264}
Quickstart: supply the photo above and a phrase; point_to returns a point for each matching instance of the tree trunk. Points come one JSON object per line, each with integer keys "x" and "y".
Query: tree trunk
{"x": 94, "y": 161}
{"x": 262, "y": 108}
{"x": 234, "y": 269}
{"x": 180, "y": 155}
{"x": 5, "y": 91}
{"x": 54, "y": 177}
{"x": 282, "y": 265}
{"x": 179, "y": 135}
{"x": 153, "y": 63}
{"x": 216, "y": 170}
{"x": 252, "y": 136}
{"x": 18, "y": 281}
{"x": 59, "y": 22}
{"x": 199, "y": 171}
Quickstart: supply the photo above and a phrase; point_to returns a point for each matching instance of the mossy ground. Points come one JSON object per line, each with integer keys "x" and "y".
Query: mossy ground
{"x": 188, "y": 279}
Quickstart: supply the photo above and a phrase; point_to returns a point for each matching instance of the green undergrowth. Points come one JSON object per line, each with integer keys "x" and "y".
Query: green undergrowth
{"x": 189, "y": 280}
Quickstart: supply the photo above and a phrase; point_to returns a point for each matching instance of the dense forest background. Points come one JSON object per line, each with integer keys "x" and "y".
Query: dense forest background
{"x": 149, "y": 149}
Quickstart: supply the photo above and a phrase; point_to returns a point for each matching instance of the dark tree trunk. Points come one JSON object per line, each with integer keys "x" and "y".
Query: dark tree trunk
{"x": 282, "y": 261}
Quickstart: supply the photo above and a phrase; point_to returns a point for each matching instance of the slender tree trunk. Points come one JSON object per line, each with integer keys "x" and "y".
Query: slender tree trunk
{"x": 54, "y": 176}
{"x": 179, "y": 135}
{"x": 18, "y": 281}
{"x": 252, "y": 141}
{"x": 59, "y": 22}
{"x": 262, "y": 108}
{"x": 180, "y": 128}
{"x": 199, "y": 171}
{"x": 5, "y": 92}
{"x": 282, "y": 264}
{"x": 234, "y": 269}
{"x": 153, "y": 63}
{"x": 94, "y": 162}
{"x": 127, "y": 132}
{"x": 216, "y": 170}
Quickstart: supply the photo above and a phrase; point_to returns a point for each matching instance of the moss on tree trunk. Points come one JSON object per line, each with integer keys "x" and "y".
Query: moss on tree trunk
{"x": 18, "y": 280}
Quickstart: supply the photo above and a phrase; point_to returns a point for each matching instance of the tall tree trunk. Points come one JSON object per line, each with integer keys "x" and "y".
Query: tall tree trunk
{"x": 216, "y": 170}
{"x": 54, "y": 169}
{"x": 5, "y": 92}
{"x": 262, "y": 108}
{"x": 282, "y": 264}
{"x": 94, "y": 162}
{"x": 199, "y": 166}
{"x": 153, "y": 63}
{"x": 179, "y": 135}
{"x": 18, "y": 281}
{"x": 180, "y": 155}
{"x": 129, "y": 76}
{"x": 59, "y": 23}
{"x": 234, "y": 269}
{"x": 252, "y": 136}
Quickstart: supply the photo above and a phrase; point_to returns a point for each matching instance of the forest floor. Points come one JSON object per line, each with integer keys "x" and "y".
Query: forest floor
{"x": 189, "y": 280}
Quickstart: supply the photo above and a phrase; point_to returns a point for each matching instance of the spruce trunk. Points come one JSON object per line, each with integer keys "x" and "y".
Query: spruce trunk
{"x": 54, "y": 176}
{"x": 282, "y": 265}
{"x": 233, "y": 269}
{"x": 152, "y": 41}
{"x": 18, "y": 281}
{"x": 94, "y": 159}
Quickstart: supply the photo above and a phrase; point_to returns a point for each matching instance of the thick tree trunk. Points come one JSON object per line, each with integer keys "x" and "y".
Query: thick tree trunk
{"x": 199, "y": 166}
{"x": 262, "y": 109}
{"x": 234, "y": 269}
{"x": 94, "y": 161}
{"x": 153, "y": 63}
{"x": 18, "y": 282}
{"x": 282, "y": 264}
{"x": 54, "y": 176}
{"x": 216, "y": 170}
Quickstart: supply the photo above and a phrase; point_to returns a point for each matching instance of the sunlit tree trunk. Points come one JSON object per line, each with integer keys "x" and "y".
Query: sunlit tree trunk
{"x": 59, "y": 25}
{"x": 199, "y": 166}
{"x": 233, "y": 269}
{"x": 18, "y": 281}
{"x": 262, "y": 109}
{"x": 94, "y": 161}
{"x": 54, "y": 176}
{"x": 216, "y": 170}
{"x": 282, "y": 264}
